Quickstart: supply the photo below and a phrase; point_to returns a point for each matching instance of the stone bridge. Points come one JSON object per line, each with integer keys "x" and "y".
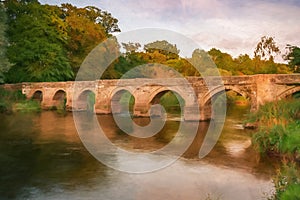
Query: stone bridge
{"x": 258, "y": 89}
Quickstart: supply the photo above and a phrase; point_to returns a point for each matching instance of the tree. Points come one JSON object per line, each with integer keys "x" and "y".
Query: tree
{"x": 222, "y": 60}
{"x": 109, "y": 23}
{"x": 293, "y": 57}
{"x": 163, "y": 47}
{"x": 4, "y": 63}
{"x": 266, "y": 49}
{"x": 131, "y": 47}
{"x": 86, "y": 28}
{"x": 36, "y": 44}
{"x": 244, "y": 65}
{"x": 130, "y": 60}
{"x": 201, "y": 60}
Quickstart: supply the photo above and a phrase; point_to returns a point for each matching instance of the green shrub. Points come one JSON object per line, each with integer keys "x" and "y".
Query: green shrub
{"x": 281, "y": 112}
{"x": 292, "y": 192}
{"x": 27, "y": 106}
{"x": 291, "y": 142}
{"x": 4, "y": 107}
{"x": 8, "y": 98}
{"x": 278, "y": 132}
{"x": 287, "y": 182}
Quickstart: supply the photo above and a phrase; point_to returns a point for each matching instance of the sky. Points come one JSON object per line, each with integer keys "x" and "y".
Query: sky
{"x": 233, "y": 26}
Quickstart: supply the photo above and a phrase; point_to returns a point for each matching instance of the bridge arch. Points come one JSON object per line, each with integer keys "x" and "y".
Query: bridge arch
{"x": 59, "y": 94}
{"x": 156, "y": 94}
{"x": 119, "y": 91}
{"x": 206, "y": 101}
{"x": 117, "y": 96}
{"x": 218, "y": 90}
{"x": 86, "y": 100}
{"x": 37, "y": 95}
{"x": 59, "y": 98}
{"x": 289, "y": 92}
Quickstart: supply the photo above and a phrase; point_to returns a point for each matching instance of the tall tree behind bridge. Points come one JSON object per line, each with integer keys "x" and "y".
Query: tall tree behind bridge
{"x": 4, "y": 63}
{"x": 49, "y": 43}
{"x": 162, "y": 47}
{"x": 36, "y": 43}
{"x": 266, "y": 49}
{"x": 86, "y": 28}
{"x": 293, "y": 57}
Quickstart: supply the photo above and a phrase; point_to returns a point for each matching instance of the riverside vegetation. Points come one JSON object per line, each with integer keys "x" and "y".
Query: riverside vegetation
{"x": 278, "y": 135}
{"x": 16, "y": 101}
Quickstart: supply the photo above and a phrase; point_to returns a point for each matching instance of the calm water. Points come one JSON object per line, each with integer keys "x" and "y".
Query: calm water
{"x": 42, "y": 157}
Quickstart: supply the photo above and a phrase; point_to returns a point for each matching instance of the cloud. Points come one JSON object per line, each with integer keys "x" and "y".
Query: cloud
{"x": 244, "y": 24}
{"x": 230, "y": 25}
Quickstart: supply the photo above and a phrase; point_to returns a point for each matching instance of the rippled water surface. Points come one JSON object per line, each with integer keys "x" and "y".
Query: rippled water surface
{"x": 42, "y": 157}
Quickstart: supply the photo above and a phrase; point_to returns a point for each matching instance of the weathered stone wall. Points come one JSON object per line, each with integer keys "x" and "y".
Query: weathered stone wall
{"x": 259, "y": 89}
{"x": 17, "y": 86}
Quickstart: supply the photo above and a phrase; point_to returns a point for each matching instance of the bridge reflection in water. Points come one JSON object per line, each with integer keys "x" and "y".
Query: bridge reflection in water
{"x": 43, "y": 161}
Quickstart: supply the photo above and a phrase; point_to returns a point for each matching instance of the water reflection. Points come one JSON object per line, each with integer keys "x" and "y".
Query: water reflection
{"x": 42, "y": 157}
{"x": 42, "y": 152}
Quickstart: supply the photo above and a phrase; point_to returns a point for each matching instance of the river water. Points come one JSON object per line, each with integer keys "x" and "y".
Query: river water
{"x": 42, "y": 157}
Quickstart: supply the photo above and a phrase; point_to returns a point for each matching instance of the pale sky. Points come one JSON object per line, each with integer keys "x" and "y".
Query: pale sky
{"x": 233, "y": 26}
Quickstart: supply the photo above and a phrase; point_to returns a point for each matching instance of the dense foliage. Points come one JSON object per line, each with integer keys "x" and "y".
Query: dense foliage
{"x": 279, "y": 123}
{"x": 278, "y": 134}
{"x": 36, "y": 45}
{"x": 4, "y": 63}
{"x": 49, "y": 43}
{"x": 293, "y": 57}
{"x": 162, "y": 52}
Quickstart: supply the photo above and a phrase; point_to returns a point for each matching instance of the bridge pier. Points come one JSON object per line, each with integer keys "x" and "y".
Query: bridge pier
{"x": 47, "y": 100}
{"x": 206, "y": 113}
{"x": 141, "y": 109}
{"x": 191, "y": 113}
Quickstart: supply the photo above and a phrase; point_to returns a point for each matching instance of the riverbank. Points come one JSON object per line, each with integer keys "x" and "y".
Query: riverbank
{"x": 14, "y": 101}
{"x": 278, "y": 136}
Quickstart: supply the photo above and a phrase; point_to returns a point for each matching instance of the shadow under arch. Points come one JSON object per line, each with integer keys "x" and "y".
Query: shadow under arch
{"x": 37, "y": 96}
{"x": 290, "y": 93}
{"x": 171, "y": 100}
{"x": 86, "y": 101}
{"x": 122, "y": 101}
{"x": 59, "y": 99}
{"x": 219, "y": 96}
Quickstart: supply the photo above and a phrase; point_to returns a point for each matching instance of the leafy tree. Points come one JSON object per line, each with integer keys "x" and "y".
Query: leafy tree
{"x": 130, "y": 60}
{"x": 244, "y": 65}
{"x": 4, "y": 63}
{"x": 36, "y": 46}
{"x": 131, "y": 47}
{"x": 183, "y": 66}
{"x": 101, "y": 61}
{"x": 293, "y": 57}
{"x": 266, "y": 48}
{"x": 84, "y": 33}
{"x": 109, "y": 23}
{"x": 163, "y": 47}
{"x": 86, "y": 28}
{"x": 222, "y": 60}
{"x": 201, "y": 60}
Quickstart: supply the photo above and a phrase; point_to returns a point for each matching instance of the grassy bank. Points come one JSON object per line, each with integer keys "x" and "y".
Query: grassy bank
{"x": 11, "y": 101}
{"x": 278, "y": 134}
{"x": 279, "y": 125}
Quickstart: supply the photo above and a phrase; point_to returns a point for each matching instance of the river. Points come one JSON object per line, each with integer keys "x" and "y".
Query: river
{"x": 42, "y": 157}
